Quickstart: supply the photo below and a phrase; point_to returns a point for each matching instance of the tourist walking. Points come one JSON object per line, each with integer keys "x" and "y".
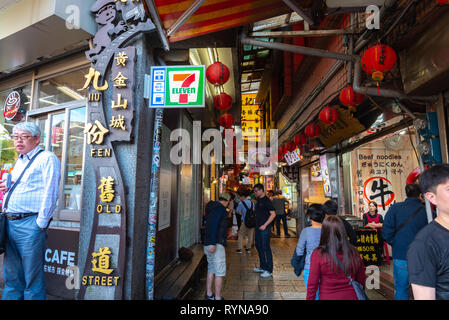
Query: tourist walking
{"x": 29, "y": 206}
{"x": 279, "y": 203}
{"x": 214, "y": 245}
{"x": 265, "y": 214}
{"x": 325, "y": 273}
{"x": 330, "y": 207}
{"x": 244, "y": 232}
{"x": 403, "y": 221}
{"x": 310, "y": 237}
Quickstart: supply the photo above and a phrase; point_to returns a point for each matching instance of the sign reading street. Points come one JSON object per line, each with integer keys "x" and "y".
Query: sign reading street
{"x": 177, "y": 87}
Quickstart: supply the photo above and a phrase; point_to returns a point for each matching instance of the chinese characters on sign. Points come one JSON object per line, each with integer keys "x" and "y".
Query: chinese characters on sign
{"x": 251, "y": 120}
{"x": 101, "y": 263}
{"x": 368, "y": 246}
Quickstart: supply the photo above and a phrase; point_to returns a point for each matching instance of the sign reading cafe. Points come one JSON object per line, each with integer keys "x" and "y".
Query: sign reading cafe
{"x": 119, "y": 21}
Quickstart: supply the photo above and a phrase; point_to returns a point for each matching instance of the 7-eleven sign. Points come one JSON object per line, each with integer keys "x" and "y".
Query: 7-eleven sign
{"x": 177, "y": 87}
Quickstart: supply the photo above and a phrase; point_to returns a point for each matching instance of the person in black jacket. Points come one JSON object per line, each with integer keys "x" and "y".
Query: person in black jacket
{"x": 214, "y": 245}
{"x": 403, "y": 221}
{"x": 330, "y": 207}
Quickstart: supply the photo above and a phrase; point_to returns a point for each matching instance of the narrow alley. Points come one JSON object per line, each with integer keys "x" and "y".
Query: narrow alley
{"x": 241, "y": 283}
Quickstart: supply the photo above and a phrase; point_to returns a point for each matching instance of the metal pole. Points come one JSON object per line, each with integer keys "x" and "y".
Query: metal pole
{"x": 154, "y": 193}
{"x": 184, "y": 17}
{"x": 297, "y": 49}
{"x": 300, "y": 33}
{"x": 299, "y": 11}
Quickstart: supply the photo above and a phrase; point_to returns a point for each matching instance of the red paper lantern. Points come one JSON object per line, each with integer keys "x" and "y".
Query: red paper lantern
{"x": 312, "y": 130}
{"x": 443, "y": 1}
{"x": 226, "y": 120}
{"x": 328, "y": 115}
{"x": 349, "y": 98}
{"x": 378, "y": 60}
{"x": 217, "y": 73}
{"x": 290, "y": 146}
{"x": 223, "y": 101}
{"x": 300, "y": 139}
{"x": 285, "y": 149}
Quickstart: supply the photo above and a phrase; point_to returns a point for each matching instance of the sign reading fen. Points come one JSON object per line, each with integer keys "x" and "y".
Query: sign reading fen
{"x": 177, "y": 87}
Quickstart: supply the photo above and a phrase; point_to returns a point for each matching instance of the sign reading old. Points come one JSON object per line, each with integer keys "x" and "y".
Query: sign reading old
{"x": 112, "y": 75}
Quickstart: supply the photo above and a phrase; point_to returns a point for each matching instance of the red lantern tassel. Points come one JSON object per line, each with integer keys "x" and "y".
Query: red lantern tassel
{"x": 378, "y": 90}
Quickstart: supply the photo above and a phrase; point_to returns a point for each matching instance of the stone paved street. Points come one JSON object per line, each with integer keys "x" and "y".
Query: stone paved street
{"x": 241, "y": 283}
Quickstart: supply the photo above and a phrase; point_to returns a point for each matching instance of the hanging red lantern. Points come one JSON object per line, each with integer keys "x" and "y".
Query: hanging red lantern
{"x": 443, "y": 1}
{"x": 349, "y": 98}
{"x": 223, "y": 101}
{"x": 290, "y": 146}
{"x": 378, "y": 60}
{"x": 285, "y": 149}
{"x": 328, "y": 115}
{"x": 312, "y": 130}
{"x": 300, "y": 139}
{"x": 226, "y": 120}
{"x": 217, "y": 74}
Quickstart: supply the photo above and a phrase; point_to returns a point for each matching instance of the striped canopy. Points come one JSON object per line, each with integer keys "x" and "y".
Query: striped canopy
{"x": 216, "y": 15}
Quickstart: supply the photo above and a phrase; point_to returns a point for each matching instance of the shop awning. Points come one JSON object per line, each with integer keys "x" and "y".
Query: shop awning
{"x": 216, "y": 15}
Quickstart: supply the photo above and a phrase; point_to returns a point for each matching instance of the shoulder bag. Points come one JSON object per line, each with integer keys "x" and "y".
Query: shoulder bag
{"x": 358, "y": 287}
{"x": 3, "y": 218}
{"x": 407, "y": 222}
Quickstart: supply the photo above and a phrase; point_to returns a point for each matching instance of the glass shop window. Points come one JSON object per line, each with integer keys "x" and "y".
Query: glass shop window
{"x": 62, "y": 88}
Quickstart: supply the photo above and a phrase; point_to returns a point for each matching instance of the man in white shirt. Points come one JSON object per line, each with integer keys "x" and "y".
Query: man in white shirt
{"x": 29, "y": 205}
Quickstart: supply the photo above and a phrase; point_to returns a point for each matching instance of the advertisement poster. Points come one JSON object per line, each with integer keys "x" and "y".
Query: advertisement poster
{"x": 325, "y": 176}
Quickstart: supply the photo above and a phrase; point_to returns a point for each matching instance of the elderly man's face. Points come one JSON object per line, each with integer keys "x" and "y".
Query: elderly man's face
{"x": 24, "y": 141}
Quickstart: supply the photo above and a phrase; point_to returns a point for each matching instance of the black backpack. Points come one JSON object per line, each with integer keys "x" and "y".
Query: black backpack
{"x": 250, "y": 216}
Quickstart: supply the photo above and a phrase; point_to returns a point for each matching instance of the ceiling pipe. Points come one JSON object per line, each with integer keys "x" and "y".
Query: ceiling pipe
{"x": 378, "y": 92}
{"x": 300, "y": 11}
{"x": 296, "y": 49}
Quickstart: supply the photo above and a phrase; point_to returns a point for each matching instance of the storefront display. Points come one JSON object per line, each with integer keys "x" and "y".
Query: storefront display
{"x": 379, "y": 170}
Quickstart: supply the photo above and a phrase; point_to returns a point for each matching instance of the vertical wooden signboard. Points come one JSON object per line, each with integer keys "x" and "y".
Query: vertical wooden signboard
{"x": 110, "y": 119}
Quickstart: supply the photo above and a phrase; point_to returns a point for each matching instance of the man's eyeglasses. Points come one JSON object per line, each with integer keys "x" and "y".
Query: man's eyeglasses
{"x": 22, "y": 138}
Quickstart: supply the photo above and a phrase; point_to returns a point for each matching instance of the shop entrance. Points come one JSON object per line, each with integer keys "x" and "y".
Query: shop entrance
{"x": 62, "y": 134}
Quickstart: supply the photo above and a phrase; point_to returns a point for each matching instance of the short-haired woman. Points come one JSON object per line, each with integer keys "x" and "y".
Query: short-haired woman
{"x": 325, "y": 273}
{"x": 310, "y": 236}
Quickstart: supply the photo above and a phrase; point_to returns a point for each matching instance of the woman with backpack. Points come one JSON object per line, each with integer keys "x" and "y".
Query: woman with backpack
{"x": 333, "y": 262}
{"x": 244, "y": 208}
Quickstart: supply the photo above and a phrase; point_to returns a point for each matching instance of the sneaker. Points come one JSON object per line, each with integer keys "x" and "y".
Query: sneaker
{"x": 248, "y": 250}
{"x": 258, "y": 270}
{"x": 266, "y": 274}
{"x": 212, "y": 297}
{"x": 287, "y": 236}
{"x": 238, "y": 251}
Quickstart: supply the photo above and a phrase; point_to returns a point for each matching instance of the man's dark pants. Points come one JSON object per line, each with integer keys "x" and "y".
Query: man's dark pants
{"x": 262, "y": 239}
{"x": 284, "y": 223}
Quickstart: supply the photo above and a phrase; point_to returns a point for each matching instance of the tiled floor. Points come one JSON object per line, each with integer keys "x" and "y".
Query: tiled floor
{"x": 241, "y": 283}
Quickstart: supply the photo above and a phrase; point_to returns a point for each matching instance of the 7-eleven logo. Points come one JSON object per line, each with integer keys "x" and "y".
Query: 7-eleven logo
{"x": 184, "y": 86}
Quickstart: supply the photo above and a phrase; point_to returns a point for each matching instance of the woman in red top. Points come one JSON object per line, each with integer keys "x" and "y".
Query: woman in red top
{"x": 325, "y": 273}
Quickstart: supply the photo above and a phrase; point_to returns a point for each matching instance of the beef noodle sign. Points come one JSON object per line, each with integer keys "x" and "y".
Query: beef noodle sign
{"x": 12, "y": 106}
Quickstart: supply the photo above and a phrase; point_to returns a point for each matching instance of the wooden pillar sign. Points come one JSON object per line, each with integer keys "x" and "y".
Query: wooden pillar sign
{"x": 105, "y": 263}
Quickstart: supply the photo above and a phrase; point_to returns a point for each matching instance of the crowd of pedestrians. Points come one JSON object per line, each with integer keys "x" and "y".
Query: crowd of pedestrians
{"x": 330, "y": 264}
